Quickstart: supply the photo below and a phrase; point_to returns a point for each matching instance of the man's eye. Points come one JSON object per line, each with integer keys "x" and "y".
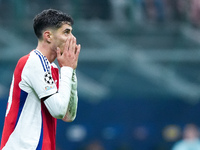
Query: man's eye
{"x": 67, "y": 31}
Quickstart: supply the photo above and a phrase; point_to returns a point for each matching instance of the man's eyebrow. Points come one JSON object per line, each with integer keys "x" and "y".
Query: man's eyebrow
{"x": 68, "y": 29}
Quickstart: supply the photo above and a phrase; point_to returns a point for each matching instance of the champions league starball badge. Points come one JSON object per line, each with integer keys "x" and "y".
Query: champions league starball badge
{"x": 48, "y": 78}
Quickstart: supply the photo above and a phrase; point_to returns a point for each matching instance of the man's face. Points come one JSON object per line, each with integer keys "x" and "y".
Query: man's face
{"x": 60, "y": 36}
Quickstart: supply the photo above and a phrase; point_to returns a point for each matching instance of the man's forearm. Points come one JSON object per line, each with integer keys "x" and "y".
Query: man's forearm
{"x": 73, "y": 102}
{"x": 72, "y": 108}
{"x": 58, "y": 103}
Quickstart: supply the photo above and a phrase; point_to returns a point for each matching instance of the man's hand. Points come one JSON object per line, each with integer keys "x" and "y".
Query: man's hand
{"x": 70, "y": 54}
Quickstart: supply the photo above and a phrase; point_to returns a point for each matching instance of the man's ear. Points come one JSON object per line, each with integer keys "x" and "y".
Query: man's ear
{"x": 47, "y": 36}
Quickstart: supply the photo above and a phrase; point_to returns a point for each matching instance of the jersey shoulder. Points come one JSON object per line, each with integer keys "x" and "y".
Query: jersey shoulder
{"x": 20, "y": 64}
{"x": 37, "y": 75}
{"x": 37, "y": 59}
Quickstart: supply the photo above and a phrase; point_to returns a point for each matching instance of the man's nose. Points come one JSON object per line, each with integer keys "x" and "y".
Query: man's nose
{"x": 73, "y": 36}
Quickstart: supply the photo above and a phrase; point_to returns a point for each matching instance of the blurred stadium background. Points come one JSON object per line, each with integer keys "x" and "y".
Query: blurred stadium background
{"x": 139, "y": 76}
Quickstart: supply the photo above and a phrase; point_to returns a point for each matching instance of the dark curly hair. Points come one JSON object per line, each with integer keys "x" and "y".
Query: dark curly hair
{"x": 50, "y": 18}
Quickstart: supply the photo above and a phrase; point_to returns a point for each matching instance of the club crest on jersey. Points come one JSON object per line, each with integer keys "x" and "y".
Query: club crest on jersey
{"x": 48, "y": 78}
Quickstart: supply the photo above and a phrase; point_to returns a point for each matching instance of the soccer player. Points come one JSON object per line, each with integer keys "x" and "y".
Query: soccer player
{"x": 37, "y": 96}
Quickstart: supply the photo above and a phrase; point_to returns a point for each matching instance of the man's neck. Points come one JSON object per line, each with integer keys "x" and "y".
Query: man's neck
{"x": 47, "y": 52}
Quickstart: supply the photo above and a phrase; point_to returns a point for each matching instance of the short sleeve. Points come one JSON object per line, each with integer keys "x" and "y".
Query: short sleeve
{"x": 37, "y": 76}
